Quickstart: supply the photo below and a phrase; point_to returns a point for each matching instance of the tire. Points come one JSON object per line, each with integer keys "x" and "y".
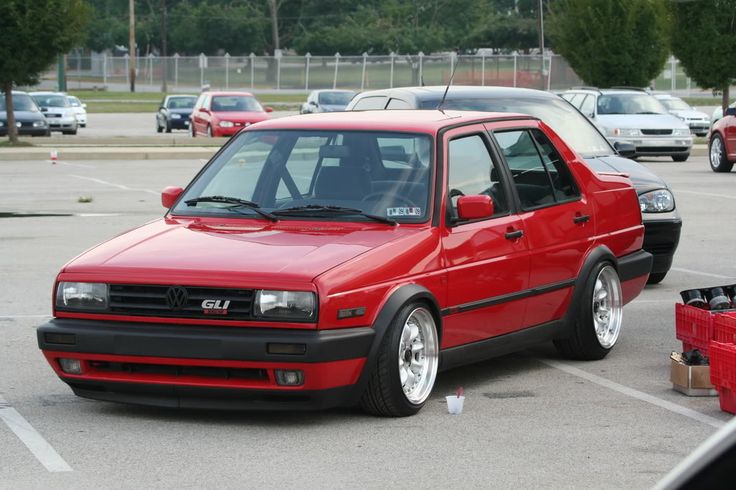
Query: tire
{"x": 717, "y": 155}
{"x": 193, "y": 131}
{"x": 158, "y": 127}
{"x": 209, "y": 131}
{"x": 597, "y": 324}
{"x": 656, "y": 277}
{"x": 409, "y": 348}
{"x": 680, "y": 158}
{"x": 71, "y": 131}
{"x": 168, "y": 126}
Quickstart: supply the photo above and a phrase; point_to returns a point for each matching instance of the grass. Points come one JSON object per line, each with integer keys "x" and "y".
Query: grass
{"x": 9, "y": 144}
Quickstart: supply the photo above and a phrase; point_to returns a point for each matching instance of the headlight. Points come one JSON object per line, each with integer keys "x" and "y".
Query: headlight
{"x": 81, "y": 295}
{"x": 226, "y": 124}
{"x": 659, "y": 201}
{"x": 39, "y": 124}
{"x": 176, "y": 116}
{"x": 625, "y": 132}
{"x": 286, "y": 305}
{"x": 681, "y": 132}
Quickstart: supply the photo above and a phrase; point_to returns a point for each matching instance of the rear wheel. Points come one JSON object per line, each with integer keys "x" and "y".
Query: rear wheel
{"x": 407, "y": 364}
{"x": 717, "y": 155}
{"x": 598, "y": 321}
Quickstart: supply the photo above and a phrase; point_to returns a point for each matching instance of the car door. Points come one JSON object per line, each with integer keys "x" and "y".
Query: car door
{"x": 487, "y": 260}
{"x": 557, "y": 219}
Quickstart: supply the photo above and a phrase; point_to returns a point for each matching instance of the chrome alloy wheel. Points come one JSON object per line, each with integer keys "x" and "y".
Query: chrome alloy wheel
{"x": 418, "y": 355}
{"x": 716, "y": 152}
{"x": 607, "y": 307}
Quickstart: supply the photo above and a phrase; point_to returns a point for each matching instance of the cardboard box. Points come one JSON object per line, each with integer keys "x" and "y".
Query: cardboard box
{"x": 690, "y": 380}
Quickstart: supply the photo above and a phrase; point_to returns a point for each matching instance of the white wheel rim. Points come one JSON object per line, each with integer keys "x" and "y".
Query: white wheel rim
{"x": 716, "y": 152}
{"x": 607, "y": 307}
{"x": 418, "y": 355}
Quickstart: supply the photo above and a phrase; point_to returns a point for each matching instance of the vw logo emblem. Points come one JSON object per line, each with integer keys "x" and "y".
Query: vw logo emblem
{"x": 177, "y": 297}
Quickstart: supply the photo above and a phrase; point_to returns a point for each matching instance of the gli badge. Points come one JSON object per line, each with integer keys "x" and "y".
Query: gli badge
{"x": 215, "y": 307}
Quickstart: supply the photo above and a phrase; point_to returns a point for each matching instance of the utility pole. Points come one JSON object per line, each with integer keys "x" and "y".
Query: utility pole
{"x": 164, "y": 86}
{"x": 131, "y": 45}
{"x": 541, "y": 44}
{"x": 274, "y": 7}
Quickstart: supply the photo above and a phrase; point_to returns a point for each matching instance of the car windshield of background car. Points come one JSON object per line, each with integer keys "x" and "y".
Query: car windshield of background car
{"x": 21, "y": 103}
{"x": 335, "y": 98}
{"x": 381, "y": 173}
{"x": 567, "y": 122}
{"x": 52, "y": 101}
{"x": 629, "y": 104}
{"x": 181, "y": 102}
{"x": 235, "y": 103}
{"x": 675, "y": 104}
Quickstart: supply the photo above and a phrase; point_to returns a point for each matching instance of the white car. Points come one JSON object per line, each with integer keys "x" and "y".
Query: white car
{"x": 699, "y": 122}
{"x": 57, "y": 110}
{"x": 80, "y": 110}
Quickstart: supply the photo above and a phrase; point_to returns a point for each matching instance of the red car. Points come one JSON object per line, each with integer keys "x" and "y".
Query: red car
{"x": 722, "y": 143}
{"x": 218, "y": 114}
{"x": 344, "y": 258}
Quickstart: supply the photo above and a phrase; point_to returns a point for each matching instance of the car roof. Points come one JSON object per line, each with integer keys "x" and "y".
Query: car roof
{"x": 333, "y": 90}
{"x": 434, "y": 92}
{"x": 180, "y": 95}
{"x": 380, "y": 120}
{"x": 47, "y": 93}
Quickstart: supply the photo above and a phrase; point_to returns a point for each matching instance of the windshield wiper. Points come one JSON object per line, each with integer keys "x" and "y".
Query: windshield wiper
{"x": 320, "y": 210}
{"x": 236, "y": 202}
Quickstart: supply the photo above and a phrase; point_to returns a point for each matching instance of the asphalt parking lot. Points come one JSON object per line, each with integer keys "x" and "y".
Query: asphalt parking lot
{"x": 530, "y": 419}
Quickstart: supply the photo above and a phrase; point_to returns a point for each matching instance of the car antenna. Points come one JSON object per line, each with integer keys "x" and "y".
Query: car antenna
{"x": 449, "y": 82}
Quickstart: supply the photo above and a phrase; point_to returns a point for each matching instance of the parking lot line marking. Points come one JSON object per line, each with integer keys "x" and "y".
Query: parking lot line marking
{"x": 631, "y": 392}
{"x": 700, "y": 273}
{"x": 119, "y": 186}
{"x": 708, "y": 194}
{"x": 41, "y": 449}
{"x": 82, "y": 165}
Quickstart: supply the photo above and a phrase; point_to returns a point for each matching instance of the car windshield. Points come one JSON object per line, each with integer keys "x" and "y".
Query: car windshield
{"x": 51, "y": 100}
{"x": 21, "y": 102}
{"x": 181, "y": 102}
{"x": 573, "y": 127}
{"x": 74, "y": 102}
{"x": 629, "y": 104}
{"x": 235, "y": 103}
{"x": 325, "y": 175}
{"x": 675, "y": 104}
{"x": 335, "y": 98}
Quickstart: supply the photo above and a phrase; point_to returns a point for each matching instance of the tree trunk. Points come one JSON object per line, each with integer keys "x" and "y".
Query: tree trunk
{"x": 12, "y": 129}
{"x": 164, "y": 54}
{"x": 725, "y": 97}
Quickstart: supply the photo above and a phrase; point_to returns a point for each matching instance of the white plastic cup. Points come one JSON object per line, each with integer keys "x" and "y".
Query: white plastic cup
{"x": 455, "y": 404}
{"x": 54, "y": 156}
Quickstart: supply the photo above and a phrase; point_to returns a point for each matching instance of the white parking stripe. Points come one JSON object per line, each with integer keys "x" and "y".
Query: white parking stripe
{"x": 700, "y": 273}
{"x": 639, "y": 395}
{"x": 707, "y": 194}
{"x": 82, "y": 165}
{"x": 119, "y": 186}
{"x": 41, "y": 449}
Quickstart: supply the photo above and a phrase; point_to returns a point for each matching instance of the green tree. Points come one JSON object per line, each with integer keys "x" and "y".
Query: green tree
{"x": 706, "y": 42}
{"x": 611, "y": 42}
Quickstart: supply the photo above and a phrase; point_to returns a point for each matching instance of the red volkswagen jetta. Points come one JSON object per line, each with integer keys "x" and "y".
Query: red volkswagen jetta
{"x": 225, "y": 113}
{"x": 346, "y": 258}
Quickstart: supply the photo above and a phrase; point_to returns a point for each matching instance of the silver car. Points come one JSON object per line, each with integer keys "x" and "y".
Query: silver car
{"x": 80, "y": 110}
{"x": 636, "y": 117}
{"x": 699, "y": 122}
{"x": 57, "y": 110}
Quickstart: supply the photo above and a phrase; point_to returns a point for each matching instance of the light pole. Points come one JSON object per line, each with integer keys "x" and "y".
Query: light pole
{"x": 541, "y": 44}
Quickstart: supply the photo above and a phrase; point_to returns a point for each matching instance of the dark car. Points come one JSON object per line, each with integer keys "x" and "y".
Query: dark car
{"x": 326, "y": 101}
{"x": 174, "y": 112}
{"x": 28, "y": 117}
{"x": 661, "y": 219}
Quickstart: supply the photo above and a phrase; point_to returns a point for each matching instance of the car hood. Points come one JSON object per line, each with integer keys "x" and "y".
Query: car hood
{"x": 644, "y": 180}
{"x": 58, "y": 110}
{"x": 637, "y": 121}
{"x": 332, "y": 107}
{"x": 692, "y": 114}
{"x": 241, "y": 116}
{"x": 233, "y": 250}
{"x": 23, "y": 116}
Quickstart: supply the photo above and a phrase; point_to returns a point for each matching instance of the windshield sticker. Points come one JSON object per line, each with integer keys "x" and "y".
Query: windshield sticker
{"x": 391, "y": 212}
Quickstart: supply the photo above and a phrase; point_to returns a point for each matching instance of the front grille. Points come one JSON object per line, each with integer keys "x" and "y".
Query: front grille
{"x": 52, "y": 115}
{"x": 146, "y": 300}
{"x": 660, "y": 149}
{"x": 179, "y": 371}
{"x": 656, "y": 132}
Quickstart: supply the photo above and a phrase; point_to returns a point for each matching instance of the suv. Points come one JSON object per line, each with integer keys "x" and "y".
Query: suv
{"x": 344, "y": 258}
{"x": 634, "y": 116}
{"x": 662, "y": 221}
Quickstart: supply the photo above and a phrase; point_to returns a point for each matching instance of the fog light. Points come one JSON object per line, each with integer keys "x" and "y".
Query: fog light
{"x": 289, "y": 377}
{"x": 71, "y": 366}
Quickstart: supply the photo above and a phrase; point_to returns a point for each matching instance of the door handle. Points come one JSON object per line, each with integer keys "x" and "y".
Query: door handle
{"x": 581, "y": 219}
{"x": 513, "y": 235}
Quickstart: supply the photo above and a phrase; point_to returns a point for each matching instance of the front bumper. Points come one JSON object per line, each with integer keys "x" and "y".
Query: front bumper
{"x": 27, "y": 131}
{"x": 61, "y": 123}
{"x": 661, "y": 238}
{"x": 658, "y": 145}
{"x": 206, "y": 367}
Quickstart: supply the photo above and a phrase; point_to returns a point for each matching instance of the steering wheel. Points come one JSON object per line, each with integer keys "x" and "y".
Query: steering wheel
{"x": 375, "y": 196}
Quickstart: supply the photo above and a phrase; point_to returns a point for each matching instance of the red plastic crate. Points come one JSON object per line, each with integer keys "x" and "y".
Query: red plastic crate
{"x": 694, "y": 327}
{"x": 723, "y": 374}
{"x": 724, "y": 328}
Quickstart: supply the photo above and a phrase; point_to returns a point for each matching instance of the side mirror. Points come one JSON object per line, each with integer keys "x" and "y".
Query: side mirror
{"x": 268, "y": 109}
{"x": 474, "y": 207}
{"x": 730, "y": 111}
{"x": 169, "y": 196}
{"x": 624, "y": 149}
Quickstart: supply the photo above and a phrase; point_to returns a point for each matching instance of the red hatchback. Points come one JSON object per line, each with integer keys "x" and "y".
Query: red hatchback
{"x": 345, "y": 258}
{"x": 722, "y": 143}
{"x": 225, "y": 113}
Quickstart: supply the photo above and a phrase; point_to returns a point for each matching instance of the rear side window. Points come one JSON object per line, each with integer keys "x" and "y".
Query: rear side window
{"x": 398, "y": 104}
{"x": 588, "y": 106}
{"x": 540, "y": 176}
{"x": 370, "y": 103}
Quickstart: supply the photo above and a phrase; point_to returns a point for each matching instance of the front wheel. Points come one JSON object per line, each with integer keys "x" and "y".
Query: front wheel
{"x": 406, "y": 366}
{"x": 680, "y": 158}
{"x": 599, "y": 317}
{"x": 192, "y": 131}
{"x": 717, "y": 155}
{"x": 209, "y": 131}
